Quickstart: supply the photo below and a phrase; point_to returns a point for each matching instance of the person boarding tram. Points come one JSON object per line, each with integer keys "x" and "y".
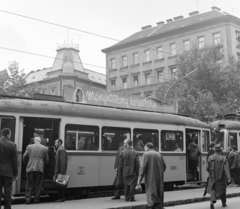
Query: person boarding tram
{"x": 35, "y": 156}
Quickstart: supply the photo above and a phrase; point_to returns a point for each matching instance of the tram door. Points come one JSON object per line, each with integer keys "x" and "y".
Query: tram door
{"x": 48, "y": 130}
{"x": 205, "y": 141}
{"x": 193, "y": 166}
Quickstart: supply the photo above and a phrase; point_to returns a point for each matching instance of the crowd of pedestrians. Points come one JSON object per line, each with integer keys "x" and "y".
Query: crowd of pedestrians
{"x": 223, "y": 170}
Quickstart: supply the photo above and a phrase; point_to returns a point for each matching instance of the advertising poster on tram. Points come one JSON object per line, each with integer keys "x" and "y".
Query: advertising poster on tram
{"x": 103, "y": 98}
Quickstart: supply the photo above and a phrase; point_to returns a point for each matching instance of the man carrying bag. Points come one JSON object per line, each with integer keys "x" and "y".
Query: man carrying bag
{"x": 60, "y": 167}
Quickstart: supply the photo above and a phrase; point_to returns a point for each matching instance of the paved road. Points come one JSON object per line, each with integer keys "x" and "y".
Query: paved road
{"x": 232, "y": 203}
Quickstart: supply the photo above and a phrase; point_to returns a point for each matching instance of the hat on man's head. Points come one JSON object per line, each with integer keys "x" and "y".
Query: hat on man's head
{"x": 212, "y": 144}
{"x": 234, "y": 147}
{"x": 217, "y": 147}
{"x": 37, "y": 132}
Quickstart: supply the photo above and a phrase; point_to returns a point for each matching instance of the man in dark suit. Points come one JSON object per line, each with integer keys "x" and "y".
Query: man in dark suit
{"x": 129, "y": 169}
{"x": 35, "y": 156}
{"x": 8, "y": 166}
{"x": 61, "y": 163}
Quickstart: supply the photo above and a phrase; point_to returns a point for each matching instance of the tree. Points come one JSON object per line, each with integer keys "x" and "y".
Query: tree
{"x": 210, "y": 92}
{"x": 14, "y": 82}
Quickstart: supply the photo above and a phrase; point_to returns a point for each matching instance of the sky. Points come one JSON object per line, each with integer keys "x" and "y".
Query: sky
{"x": 73, "y": 21}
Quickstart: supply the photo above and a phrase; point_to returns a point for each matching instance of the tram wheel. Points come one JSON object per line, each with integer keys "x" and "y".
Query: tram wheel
{"x": 85, "y": 192}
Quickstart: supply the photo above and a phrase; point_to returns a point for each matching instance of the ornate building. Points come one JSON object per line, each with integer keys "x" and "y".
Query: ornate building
{"x": 137, "y": 64}
{"x": 67, "y": 71}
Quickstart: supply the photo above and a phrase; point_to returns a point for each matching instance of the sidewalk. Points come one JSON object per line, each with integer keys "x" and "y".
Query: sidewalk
{"x": 170, "y": 199}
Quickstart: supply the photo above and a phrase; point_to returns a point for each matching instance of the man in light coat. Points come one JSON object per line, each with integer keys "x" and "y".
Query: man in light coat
{"x": 35, "y": 156}
{"x": 61, "y": 163}
{"x": 8, "y": 166}
{"x": 219, "y": 175}
{"x": 153, "y": 167}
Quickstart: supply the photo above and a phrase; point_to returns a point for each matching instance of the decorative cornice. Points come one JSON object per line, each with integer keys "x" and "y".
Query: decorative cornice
{"x": 226, "y": 18}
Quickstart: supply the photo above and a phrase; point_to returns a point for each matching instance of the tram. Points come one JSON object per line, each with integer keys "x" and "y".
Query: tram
{"x": 227, "y": 131}
{"x": 104, "y": 128}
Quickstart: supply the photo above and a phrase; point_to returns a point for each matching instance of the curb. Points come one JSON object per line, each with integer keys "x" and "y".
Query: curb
{"x": 176, "y": 202}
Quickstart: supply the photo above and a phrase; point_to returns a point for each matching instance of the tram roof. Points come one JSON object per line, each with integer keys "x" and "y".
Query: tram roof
{"x": 227, "y": 124}
{"x": 92, "y": 111}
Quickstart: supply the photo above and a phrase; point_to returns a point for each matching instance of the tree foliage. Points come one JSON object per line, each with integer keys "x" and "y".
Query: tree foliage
{"x": 14, "y": 82}
{"x": 210, "y": 92}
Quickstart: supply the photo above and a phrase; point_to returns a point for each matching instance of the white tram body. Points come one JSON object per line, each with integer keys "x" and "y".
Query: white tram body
{"x": 106, "y": 127}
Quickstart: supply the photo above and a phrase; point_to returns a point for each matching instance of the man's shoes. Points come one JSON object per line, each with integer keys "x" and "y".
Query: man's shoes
{"x": 224, "y": 205}
{"x": 27, "y": 202}
{"x": 60, "y": 200}
{"x": 36, "y": 201}
{"x": 132, "y": 200}
{"x": 115, "y": 198}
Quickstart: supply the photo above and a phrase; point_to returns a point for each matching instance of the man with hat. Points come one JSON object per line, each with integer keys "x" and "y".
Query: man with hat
{"x": 235, "y": 169}
{"x": 193, "y": 155}
{"x": 38, "y": 133}
{"x": 219, "y": 176}
{"x": 211, "y": 151}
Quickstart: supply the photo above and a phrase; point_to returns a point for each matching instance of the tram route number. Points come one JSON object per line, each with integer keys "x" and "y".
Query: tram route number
{"x": 173, "y": 167}
{"x": 81, "y": 170}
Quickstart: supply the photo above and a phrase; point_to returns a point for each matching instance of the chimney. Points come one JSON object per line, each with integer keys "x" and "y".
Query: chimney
{"x": 193, "y": 13}
{"x": 178, "y": 18}
{"x": 160, "y": 23}
{"x": 215, "y": 9}
{"x": 146, "y": 27}
{"x": 225, "y": 13}
{"x": 169, "y": 20}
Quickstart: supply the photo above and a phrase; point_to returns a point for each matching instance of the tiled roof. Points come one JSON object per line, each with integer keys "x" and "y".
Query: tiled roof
{"x": 171, "y": 26}
{"x": 39, "y": 75}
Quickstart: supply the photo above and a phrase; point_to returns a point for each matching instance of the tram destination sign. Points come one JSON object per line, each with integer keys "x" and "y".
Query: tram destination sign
{"x": 103, "y": 98}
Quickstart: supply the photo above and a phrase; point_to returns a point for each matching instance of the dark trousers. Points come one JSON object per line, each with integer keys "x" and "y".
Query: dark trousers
{"x": 6, "y": 183}
{"x": 34, "y": 182}
{"x": 129, "y": 191}
{"x": 223, "y": 199}
{"x": 193, "y": 164}
{"x": 118, "y": 190}
{"x": 235, "y": 175}
{"x": 61, "y": 193}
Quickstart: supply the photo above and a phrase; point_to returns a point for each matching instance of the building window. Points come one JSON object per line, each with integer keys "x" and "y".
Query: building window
{"x": 113, "y": 85}
{"x": 53, "y": 91}
{"x": 216, "y": 38}
{"x": 186, "y": 45}
{"x": 147, "y": 55}
{"x": 113, "y": 64}
{"x": 159, "y": 53}
{"x": 201, "y": 42}
{"x": 174, "y": 73}
{"x": 124, "y": 82}
{"x": 124, "y": 61}
{"x": 135, "y": 80}
{"x": 148, "y": 78}
{"x": 173, "y": 48}
{"x": 148, "y": 93}
{"x": 238, "y": 56}
{"x": 135, "y": 58}
{"x": 160, "y": 76}
{"x": 238, "y": 38}
{"x": 137, "y": 94}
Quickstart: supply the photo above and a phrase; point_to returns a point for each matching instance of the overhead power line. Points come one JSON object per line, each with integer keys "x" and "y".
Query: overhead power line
{"x": 59, "y": 25}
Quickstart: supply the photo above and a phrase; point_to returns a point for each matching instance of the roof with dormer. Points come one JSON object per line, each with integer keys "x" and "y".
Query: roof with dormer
{"x": 161, "y": 29}
{"x": 40, "y": 75}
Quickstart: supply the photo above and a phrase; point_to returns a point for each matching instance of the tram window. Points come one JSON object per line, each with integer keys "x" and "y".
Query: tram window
{"x": 172, "y": 141}
{"x": 81, "y": 137}
{"x": 143, "y": 136}
{"x": 218, "y": 138}
{"x": 232, "y": 139}
{"x": 113, "y": 137}
{"x": 205, "y": 141}
{"x": 8, "y": 122}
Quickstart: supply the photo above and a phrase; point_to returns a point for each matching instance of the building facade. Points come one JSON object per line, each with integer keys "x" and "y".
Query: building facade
{"x": 67, "y": 71}
{"x": 137, "y": 64}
